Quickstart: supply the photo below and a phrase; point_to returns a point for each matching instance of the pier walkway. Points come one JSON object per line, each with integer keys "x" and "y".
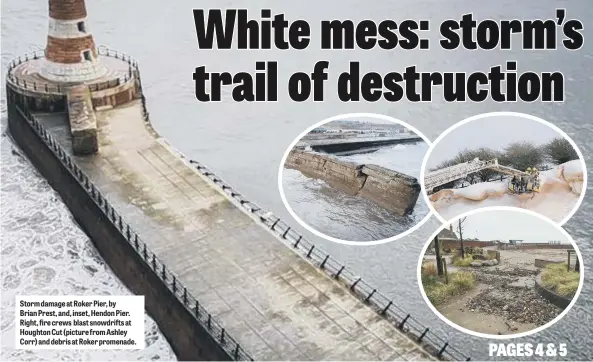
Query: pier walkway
{"x": 275, "y": 303}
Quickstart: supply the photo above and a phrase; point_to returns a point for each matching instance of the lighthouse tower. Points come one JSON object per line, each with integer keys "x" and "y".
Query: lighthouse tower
{"x": 71, "y": 54}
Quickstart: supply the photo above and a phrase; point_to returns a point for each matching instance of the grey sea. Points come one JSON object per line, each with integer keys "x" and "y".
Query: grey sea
{"x": 44, "y": 251}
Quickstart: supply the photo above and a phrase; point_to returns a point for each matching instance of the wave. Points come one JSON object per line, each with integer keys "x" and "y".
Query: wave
{"x": 560, "y": 189}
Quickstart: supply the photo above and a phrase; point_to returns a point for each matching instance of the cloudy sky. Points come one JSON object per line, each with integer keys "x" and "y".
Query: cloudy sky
{"x": 510, "y": 225}
{"x": 493, "y": 132}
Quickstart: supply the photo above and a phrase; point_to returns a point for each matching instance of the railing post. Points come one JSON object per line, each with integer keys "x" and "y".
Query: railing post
{"x": 310, "y": 251}
{"x": 322, "y": 265}
{"x": 387, "y": 307}
{"x": 354, "y": 284}
{"x": 298, "y": 241}
{"x": 153, "y": 262}
{"x": 209, "y": 321}
{"x": 197, "y": 309}
{"x": 164, "y": 273}
{"x": 443, "y": 349}
{"x": 285, "y": 232}
{"x": 184, "y": 295}
{"x": 401, "y": 325}
{"x": 339, "y": 272}
{"x": 222, "y": 336}
{"x": 274, "y": 224}
{"x": 370, "y": 295}
{"x": 174, "y": 284}
{"x": 423, "y": 334}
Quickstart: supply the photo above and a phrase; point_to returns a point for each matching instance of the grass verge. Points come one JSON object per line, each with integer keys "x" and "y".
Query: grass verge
{"x": 457, "y": 261}
{"x": 438, "y": 292}
{"x": 558, "y": 278}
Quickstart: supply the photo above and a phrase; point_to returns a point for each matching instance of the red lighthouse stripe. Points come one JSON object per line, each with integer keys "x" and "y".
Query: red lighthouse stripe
{"x": 67, "y": 9}
{"x": 69, "y": 50}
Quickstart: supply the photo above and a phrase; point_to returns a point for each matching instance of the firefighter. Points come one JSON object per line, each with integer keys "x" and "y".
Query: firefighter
{"x": 535, "y": 179}
{"x": 514, "y": 183}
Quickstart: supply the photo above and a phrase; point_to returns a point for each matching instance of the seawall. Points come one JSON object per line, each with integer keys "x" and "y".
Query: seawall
{"x": 122, "y": 249}
{"x": 220, "y": 256}
{"x": 389, "y": 189}
{"x": 346, "y": 145}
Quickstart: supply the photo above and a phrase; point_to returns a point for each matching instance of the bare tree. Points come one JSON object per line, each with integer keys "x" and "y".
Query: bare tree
{"x": 460, "y": 228}
{"x": 522, "y": 155}
{"x": 437, "y": 249}
{"x": 560, "y": 150}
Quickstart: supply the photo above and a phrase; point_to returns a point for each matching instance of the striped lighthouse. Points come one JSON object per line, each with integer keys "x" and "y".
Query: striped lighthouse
{"x": 71, "y": 54}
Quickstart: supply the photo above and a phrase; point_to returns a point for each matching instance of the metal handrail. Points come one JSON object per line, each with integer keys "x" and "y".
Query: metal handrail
{"x": 382, "y": 304}
{"x": 213, "y": 327}
{"x": 364, "y": 291}
{"x": 56, "y": 88}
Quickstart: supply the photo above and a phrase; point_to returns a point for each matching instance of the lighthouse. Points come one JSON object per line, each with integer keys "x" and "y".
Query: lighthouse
{"x": 73, "y": 76}
{"x": 70, "y": 54}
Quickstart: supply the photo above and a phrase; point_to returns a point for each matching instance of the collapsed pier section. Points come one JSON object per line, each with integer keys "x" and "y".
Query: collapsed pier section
{"x": 394, "y": 191}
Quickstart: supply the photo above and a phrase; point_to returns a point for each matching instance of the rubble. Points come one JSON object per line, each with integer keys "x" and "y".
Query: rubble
{"x": 506, "y": 297}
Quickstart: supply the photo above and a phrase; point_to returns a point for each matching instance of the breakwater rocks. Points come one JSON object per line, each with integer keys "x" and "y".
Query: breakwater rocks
{"x": 389, "y": 189}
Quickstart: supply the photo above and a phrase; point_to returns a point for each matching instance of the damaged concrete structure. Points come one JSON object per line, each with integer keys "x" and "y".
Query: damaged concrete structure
{"x": 394, "y": 191}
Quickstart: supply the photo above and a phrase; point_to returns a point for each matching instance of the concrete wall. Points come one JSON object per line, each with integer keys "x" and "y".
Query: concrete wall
{"x": 83, "y": 123}
{"x": 541, "y": 263}
{"x": 389, "y": 189}
{"x": 113, "y": 95}
{"x": 558, "y": 300}
{"x": 494, "y": 254}
{"x": 106, "y": 94}
{"x": 532, "y": 246}
{"x": 455, "y": 244}
{"x": 348, "y": 145}
{"x": 188, "y": 338}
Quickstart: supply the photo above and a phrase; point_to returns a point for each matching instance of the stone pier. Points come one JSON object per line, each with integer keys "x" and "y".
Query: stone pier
{"x": 219, "y": 278}
{"x": 389, "y": 189}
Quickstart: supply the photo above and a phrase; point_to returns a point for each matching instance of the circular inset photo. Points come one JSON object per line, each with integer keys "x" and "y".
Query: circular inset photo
{"x": 504, "y": 159}
{"x": 353, "y": 179}
{"x": 500, "y": 272}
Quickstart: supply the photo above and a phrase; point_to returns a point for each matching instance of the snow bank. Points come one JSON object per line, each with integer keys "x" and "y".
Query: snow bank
{"x": 560, "y": 189}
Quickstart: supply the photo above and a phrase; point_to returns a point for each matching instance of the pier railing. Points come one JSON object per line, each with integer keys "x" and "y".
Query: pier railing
{"x": 56, "y": 88}
{"x": 193, "y": 306}
{"x": 432, "y": 342}
{"x": 383, "y": 305}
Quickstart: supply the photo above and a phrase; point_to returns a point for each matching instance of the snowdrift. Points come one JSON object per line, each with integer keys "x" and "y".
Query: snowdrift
{"x": 560, "y": 189}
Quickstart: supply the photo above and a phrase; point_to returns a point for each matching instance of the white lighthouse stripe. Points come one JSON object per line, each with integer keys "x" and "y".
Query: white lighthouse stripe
{"x": 77, "y": 72}
{"x": 68, "y": 29}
